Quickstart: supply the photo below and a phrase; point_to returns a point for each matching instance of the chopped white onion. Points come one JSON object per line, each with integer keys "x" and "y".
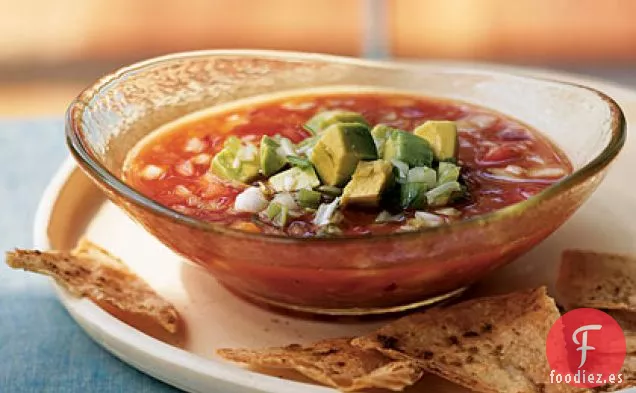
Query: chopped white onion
{"x": 236, "y": 164}
{"x": 182, "y": 191}
{"x": 286, "y": 148}
{"x": 546, "y": 172}
{"x": 297, "y": 106}
{"x": 286, "y": 199}
{"x": 429, "y": 217}
{"x": 326, "y": 213}
{"x": 385, "y": 216}
{"x": 251, "y": 200}
{"x": 536, "y": 159}
{"x": 448, "y": 211}
{"x": 515, "y": 170}
{"x": 185, "y": 168}
{"x": 194, "y": 145}
{"x": 248, "y": 138}
{"x": 247, "y": 152}
{"x": 152, "y": 172}
{"x": 193, "y": 201}
{"x": 201, "y": 159}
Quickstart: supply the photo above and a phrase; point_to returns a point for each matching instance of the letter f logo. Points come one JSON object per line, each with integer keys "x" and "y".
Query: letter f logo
{"x": 583, "y": 343}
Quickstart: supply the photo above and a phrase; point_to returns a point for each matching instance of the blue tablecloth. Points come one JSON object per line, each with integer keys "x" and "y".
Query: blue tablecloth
{"x": 41, "y": 349}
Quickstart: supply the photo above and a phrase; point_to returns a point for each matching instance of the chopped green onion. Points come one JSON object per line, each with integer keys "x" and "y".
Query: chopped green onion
{"x": 299, "y": 162}
{"x": 422, "y": 174}
{"x": 309, "y": 199}
{"x": 330, "y": 190}
{"x": 442, "y": 194}
{"x": 413, "y": 195}
{"x": 447, "y": 172}
{"x": 277, "y": 214}
{"x": 402, "y": 169}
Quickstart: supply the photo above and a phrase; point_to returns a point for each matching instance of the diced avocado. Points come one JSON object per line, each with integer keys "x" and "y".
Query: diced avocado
{"x": 447, "y": 172}
{"x": 442, "y": 136}
{"x": 369, "y": 181}
{"x": 277, "y": 213}
{"x": 404, "y": 146}
{"x": 294, "y": 179}
{"x": 236, "y": 161}
{"x": 338, "y": 151}
{"x": 321, "y": 121}
{"x": 232, "y": 143}
{"x": 422, "y": 174}
{"x": 271, "y": 161}
{"x": 443, "y": 194}
{"x": 380, "y": 133}
{"x": 308, "y": 198}
{"x": 413, "y": 195}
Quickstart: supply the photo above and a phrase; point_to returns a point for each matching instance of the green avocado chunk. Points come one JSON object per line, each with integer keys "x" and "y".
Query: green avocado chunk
{"x": 408, "y": 148}
{"x": 294, "y": 179}
{"x": 380, "y": 133}
{"x": 369, "y": 181}
{"x": 338, "y": 151}
{"x": 236, "y": 161}
{"x": 442, "y": 136}
{"x": 271, "y": 161}
{"x": 322, "y": 120}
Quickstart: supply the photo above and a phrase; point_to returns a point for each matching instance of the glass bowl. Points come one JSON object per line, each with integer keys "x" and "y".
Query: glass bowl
{"x": 350, "y": 275}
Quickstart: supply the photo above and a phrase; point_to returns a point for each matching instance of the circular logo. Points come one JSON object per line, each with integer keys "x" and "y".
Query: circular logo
{"x": 586, "y": 348}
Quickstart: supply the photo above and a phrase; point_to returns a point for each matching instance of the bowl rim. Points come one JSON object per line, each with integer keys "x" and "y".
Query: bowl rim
{"x": 99, "y": 173}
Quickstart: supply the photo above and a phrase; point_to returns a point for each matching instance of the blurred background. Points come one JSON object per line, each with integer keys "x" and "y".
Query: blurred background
{"x": 50, "y": 50}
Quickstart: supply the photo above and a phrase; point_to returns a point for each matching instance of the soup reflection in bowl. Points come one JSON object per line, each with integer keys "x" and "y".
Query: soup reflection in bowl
{"x": 531, "y": 152}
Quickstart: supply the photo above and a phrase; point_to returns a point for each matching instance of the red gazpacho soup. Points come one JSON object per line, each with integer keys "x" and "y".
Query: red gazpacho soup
{"x": 343, "y": 163}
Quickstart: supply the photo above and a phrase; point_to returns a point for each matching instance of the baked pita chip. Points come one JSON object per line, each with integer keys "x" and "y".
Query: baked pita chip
{"x": 334, "y": 363}
{"x": 597, "y": 280}
{"x": 490, "y": 345}
{"x": 90, "y": 271}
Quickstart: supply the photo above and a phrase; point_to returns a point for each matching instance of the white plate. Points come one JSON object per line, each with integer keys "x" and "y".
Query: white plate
{"x": 72, "y": 207}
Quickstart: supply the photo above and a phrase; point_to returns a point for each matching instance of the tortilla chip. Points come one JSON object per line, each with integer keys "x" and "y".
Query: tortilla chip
{"x": 597, "y": 280}
{"x": 491, "y": 345}
{"x": 90, "y": 271}
{"x": 333, "y": 362}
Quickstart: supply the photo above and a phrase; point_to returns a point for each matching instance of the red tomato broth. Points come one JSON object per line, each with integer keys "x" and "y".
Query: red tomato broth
{"x": 487, "y": 140}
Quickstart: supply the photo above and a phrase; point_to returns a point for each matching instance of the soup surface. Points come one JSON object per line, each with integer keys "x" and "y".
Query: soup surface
{"x": 500, "y": 162}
